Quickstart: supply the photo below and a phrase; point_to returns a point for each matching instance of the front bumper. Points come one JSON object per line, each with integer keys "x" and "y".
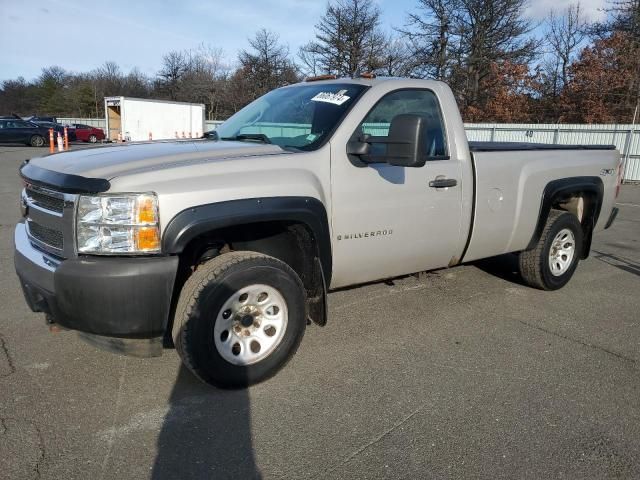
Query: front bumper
{"x": 121, "y": 297}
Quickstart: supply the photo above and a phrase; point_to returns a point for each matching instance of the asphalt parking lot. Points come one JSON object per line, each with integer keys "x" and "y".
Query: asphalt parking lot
{"x": 459, "y": 373}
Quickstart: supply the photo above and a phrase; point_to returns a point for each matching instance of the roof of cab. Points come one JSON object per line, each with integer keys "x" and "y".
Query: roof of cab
{"x": 365, "y": 81}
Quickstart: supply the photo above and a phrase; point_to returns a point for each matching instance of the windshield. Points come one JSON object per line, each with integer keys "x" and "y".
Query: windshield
{"x": 293, "y": 117}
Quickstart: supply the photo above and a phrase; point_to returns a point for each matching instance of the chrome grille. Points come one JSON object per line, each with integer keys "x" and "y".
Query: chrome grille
{"x": 45, "y": 199}
{"x": 50, "y": 237}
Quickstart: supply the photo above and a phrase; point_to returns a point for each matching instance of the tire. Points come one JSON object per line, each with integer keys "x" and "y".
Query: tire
{"x": 37, "y": 141}
{"x": 212, "y": 331}
{"x": 93, "y": 139}
{"x": 553, "y": 261}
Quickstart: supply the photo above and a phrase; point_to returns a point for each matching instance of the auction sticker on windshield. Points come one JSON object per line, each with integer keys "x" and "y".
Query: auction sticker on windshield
{"x": 337, "y": 98}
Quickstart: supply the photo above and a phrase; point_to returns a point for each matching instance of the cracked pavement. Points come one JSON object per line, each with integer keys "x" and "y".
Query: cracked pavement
{"x": 451, "y": 374}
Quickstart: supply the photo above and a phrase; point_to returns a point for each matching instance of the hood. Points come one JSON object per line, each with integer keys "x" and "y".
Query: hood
{"x": 114, "y": 161}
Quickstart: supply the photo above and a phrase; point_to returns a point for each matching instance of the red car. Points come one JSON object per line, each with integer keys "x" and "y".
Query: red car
{"x": 87, "y": 133}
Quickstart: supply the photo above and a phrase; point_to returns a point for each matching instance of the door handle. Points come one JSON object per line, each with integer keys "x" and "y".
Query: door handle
{"x": 443, "y": 182}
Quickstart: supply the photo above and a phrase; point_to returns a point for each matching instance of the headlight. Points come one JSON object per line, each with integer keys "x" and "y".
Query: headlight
{"x": 118, "y": 224}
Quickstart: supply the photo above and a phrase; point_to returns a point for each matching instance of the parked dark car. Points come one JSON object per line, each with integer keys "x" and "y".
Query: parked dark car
{"x": 13, "y": 130}
{"x": 87, "y": 133}
{"x": 58, "y": 127}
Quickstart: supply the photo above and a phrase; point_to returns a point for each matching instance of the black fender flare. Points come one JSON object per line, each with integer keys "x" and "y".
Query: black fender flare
{"x": 192, "y": 222}
{"x": 565, "y": 187}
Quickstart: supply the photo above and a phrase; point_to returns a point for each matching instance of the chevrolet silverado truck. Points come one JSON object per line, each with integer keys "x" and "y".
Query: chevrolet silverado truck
{"x": 226, "y": 247}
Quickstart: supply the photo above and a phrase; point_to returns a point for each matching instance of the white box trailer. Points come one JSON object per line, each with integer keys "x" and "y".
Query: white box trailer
{"x": 136, "y": 118}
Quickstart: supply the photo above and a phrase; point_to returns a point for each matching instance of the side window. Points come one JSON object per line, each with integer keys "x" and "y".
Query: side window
{"x": 17, "y": 124}
{"x": 3, "y": 124}
{"x": 417, "y": 102}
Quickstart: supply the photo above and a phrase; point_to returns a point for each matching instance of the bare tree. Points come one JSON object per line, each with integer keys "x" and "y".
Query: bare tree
{"x": 174, "y": 66}
{"x": 462, "y": 41}
{"x": 348, "y": 39}
{"x": 267, "y": 65}
{"x": 430, "y": 31}
{"x": 397, "y": 59}
{"x": 310, "y": 60}
{"x": 204, "y": 78}
{"x": 491, "y": 31}
{"x": 566, "y": 33}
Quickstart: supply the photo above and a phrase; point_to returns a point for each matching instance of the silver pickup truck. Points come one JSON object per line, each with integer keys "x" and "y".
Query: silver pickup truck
{"x": 227, "y": 246}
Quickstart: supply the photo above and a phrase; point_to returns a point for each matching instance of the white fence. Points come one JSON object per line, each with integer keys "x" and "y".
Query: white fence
{"x": 624, "y": 136}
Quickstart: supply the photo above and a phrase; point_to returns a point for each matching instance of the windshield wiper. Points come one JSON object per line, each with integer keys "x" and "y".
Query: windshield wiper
{"x": 260, "y": 137}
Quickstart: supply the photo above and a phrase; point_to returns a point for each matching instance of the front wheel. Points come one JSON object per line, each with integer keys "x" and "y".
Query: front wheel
{"x": 554, "y": 259}
{"x": 93, "y": 139}
{"x": 239, "y": 319}
{"x": 36, "y": 141}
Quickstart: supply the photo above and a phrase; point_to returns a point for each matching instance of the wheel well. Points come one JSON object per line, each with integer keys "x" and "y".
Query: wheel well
{"x": 581, "y": 196}
{"x": 290, "y": 242}
{"x": 586, "y": 206}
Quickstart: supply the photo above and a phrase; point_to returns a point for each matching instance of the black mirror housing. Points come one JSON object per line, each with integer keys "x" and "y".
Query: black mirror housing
{"x": 406, "y": 142}
{"x": 359, "y": 146}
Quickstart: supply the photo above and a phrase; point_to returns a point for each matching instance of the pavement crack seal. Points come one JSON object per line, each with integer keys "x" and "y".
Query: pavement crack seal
{"x": 5, "y": 350}
{"x": 43, "y": 452}
{"x": 40, "y": 443}
{"x": 112, "y": 431}
{"x": 377, "y": 439}
{"x": 580, "y": 342}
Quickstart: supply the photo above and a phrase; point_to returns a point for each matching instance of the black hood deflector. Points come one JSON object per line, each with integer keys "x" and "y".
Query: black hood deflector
{"x": 63, "y": 182}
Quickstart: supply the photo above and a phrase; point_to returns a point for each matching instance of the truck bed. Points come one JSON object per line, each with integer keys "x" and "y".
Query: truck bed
{"x": 521, "y": 146}
{"x": 510, "y": 183}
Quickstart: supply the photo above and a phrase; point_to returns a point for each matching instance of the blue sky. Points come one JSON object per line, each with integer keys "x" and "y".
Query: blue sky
{"x": 81, "y": 35}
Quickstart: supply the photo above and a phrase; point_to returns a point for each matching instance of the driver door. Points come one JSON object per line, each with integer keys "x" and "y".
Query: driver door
{"x": 387, "y": 220}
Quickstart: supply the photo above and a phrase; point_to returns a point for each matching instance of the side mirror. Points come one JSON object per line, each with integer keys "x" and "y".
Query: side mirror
{"x": 402, "y": 147}
{"x": 405, "y": 142}
{"x": 359, "y": 146}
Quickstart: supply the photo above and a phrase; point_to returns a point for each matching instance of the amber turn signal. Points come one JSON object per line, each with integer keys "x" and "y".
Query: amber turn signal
{"x": 147, "y": 212}
{"x": 147, "y": 239}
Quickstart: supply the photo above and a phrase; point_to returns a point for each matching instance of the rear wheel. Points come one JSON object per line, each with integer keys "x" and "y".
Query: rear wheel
{"x": 36, "y": 141}
{"x": 93, "y": 139}
{"x": 239, "y": 319}
{"x": 554, "y": 259}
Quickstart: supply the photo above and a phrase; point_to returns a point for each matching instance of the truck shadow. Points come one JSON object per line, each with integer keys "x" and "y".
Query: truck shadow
{"x": 503, "y": 266}
{"x": 206, "y": 433}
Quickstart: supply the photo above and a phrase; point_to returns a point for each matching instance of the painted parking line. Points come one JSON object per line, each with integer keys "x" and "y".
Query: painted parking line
{"x": 628, "y": 204}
